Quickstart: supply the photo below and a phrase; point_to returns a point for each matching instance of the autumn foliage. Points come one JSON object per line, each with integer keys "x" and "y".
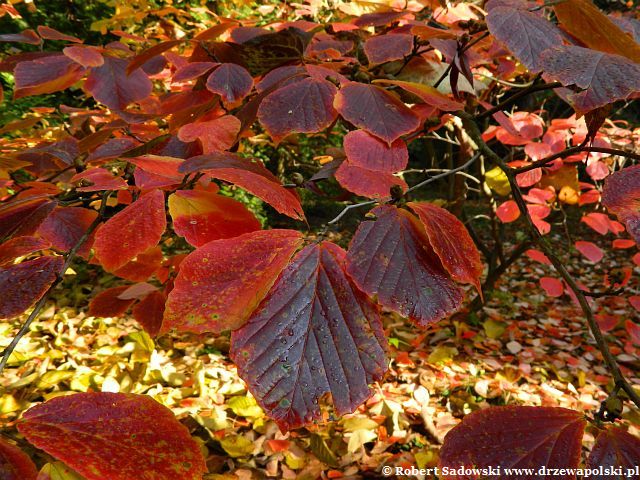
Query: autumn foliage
{"x": 149, "y": 182}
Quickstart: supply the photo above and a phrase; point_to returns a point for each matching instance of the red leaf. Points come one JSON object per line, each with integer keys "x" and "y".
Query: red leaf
{"x": 527, "y": 34}
{"x": 538, "y": 256}
{"x": 391, "y": 259}
{"x": 23, "y": 284}
{"x": 159, "y": 165}
{"x": 19, "y": 247}
{"x": 215, "y": 135}
{"x": 365, "y": 182}
{"x": 250, "y": 175}
{"x": 515, "y": 436}
{"x": 366, "y": 151}
{"x": 192, "y": 70}
{"x": 302, "y": 107}
{"x": 99, "y": 179}
{"x": 22, "y": 217}
{"x": 375, "y": 110}
{"x": 14, "y": 463}
{"x": 601, "y": 223}
{"x": 142, "y": 266}
{"x": 222, "y": 282}
{"x": 131, "y": 231}
{"x": 202, "y": 216}
{"x": 110, "y": 84}
{"x": 314, "y": 334}
{"x": 615, "y": 448}
{"x": 109, "y": 304}
{"x": 634, "y": 301}
{"x": 603, "y": 77}
{"x": 520, "y": 128}
{"x": 232, "y": 82}
{"x": 633, "y": 329}
{"x": 508, "y": 211}
{"x": 590, "y": 250}
{"x": 552, "y": 286}
{"x": 64, "y": 227}
{"x": 623, "y": 243}
{"x": 607, "y": 322}
{"x": 46, "y": 75}
{"x": 384, "y": 48}
{"x": 85, "y": 56}
{"x": 49, "y": 33}
{"x": 149, "y": 312}
{"x": 427, "y": 93}
{"x": 119, "y": 436}
{"x": 452, "y": 243}
{"x": 26, "y": 36}
{"x": 620, "y": 195}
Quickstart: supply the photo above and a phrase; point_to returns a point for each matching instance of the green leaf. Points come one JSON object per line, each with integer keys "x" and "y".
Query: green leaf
{"x": 322, "y": 451}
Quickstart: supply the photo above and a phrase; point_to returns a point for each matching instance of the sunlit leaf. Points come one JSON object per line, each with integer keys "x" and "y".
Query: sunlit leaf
{"x": 314, "y": 334}
{"x": 452, "y": 243}
{"x": 392, "y": 260}
{"x": 366, "y": 151}
{"x": 115, "y": 436}
{"x": 217, "y": 134}
{"x": 131, "y": 231}
{"x": 366, "y": 182}
{"x": 222, "y": 282}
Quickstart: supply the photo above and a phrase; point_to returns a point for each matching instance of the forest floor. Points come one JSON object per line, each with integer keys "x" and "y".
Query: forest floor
{"x": 523, "y": 347}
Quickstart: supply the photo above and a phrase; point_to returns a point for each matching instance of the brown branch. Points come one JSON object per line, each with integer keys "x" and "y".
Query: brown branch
{"x": 570, "y": 151}
{"x": 514, "y": 98}
{"x": 610, "y": 361}
{"x": 6, "y": 353}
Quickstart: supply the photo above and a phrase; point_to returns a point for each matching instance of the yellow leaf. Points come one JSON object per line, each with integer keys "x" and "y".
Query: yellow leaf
{"x": 293, "y": 461}
{"x": 359, "y": 423}
{"x": 245, "y": 406}
{"x": 359, "y": 438}
{"x": 497, "y": 181}
{"x": 442, "y": 354}
{"x": 58, "y": 471}
{"x": 8, "y": 404}
{"x": 237, "y": 446}
{"x": 52, "y": 378}
{"x": 493, "y": 328}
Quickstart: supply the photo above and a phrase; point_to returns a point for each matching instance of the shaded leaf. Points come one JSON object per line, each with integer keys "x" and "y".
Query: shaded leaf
{"x": 508, "y": 211}
{"x": 109, "y": 304}
{"x": 384, "y": 48}
{"x": 314, "y": 334}
{"x": 366, "y": 151}
{"x": 14, "y": 463}
{"x": 23, "y": 284}
{"x": 24, "y": 216}
{"x": 263, "y": 53}
{"x": 589, "y": 250}
{"x": 98, "y": 179}
{"x": 247, "y": 174}
{"x": 20, "y": 246}
{"x": 305, "y": 106}
{"x": 375, "y": 110}
{"x": 148, "y": 54}
{"x": 192, "y": 70}
{"x": 142, "y": 266}
{"x": 217, "y": 134}
{"x": 452, "y": 243}
{"x": 150, "y": 311}
{"x": 110, "y": 84}
{"x": 515, "y": 436}
{"x": 527, "y": 34}
{"x": 222, "y": 282}
{"x": 615, "y": 448}
{"x": 64, "y": 227}
{"x": 621, "y": 195}
{"x": 131, "y": 231}
{"x": 392, "y": 260}
{"x": 366, "y": 182}
{"x": 46, "y": 75}
{"x": 118, "y": 436}
{"x": 232, "y": 82}
{"x": 202, "y": 216}
{"x": 552, "y": 286}
{"x": 603, "y": 77}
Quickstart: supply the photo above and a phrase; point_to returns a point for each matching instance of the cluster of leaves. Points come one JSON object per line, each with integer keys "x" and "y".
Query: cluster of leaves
{"x": 172, "y": 123}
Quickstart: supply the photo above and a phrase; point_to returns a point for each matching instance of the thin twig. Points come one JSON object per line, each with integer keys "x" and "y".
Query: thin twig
{"x": 514, "y": 98}
{"x": 612, "y": 365}
{"x": 6, "y": 353}
{"x": 570, "y": 151}
{"x": 442, "y": 175}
